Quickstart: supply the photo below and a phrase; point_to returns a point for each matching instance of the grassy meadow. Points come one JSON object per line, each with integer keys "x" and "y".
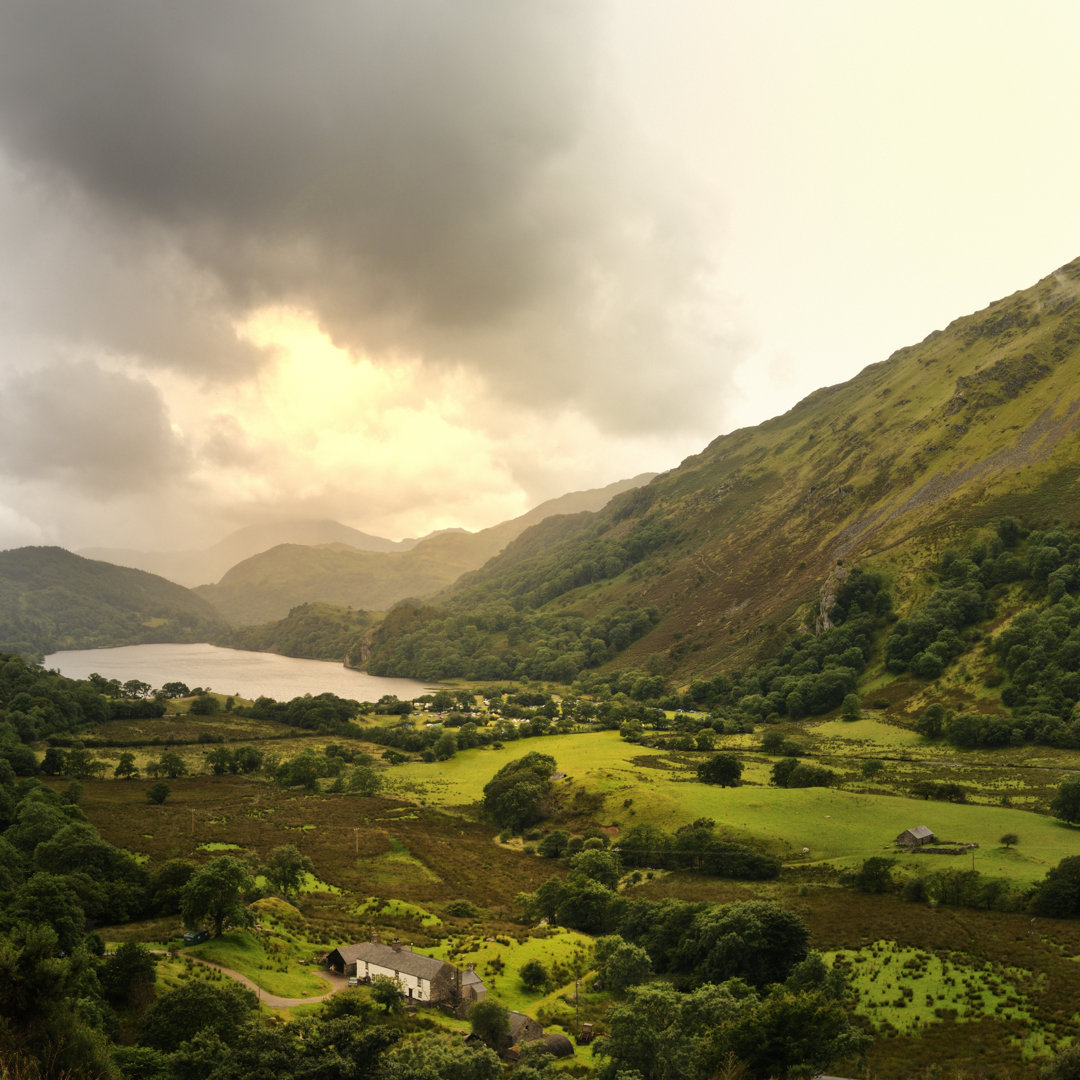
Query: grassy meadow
{"x": 391, "y": 864}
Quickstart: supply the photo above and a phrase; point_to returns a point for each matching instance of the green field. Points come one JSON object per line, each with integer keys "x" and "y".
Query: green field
{"x": 837, "y": 825}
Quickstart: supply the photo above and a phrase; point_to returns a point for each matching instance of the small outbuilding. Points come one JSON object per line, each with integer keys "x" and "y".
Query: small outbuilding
{"x": 558, "y": 1045}
{"x": 524, "y": 1029}
{"x": 915, "y": 837}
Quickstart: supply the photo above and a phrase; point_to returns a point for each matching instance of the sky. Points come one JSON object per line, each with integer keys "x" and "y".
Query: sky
{"x": 420, "y": 264}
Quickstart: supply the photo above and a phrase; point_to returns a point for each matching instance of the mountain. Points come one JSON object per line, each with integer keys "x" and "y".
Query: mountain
{"x": 51, "y": 599}
{"x": 721, "y": 560}
{"x": 267, "y": 586}
{"x": 200, "y": 567}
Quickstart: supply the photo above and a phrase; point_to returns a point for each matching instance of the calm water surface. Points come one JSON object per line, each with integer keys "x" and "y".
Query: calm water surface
{"x": 230, "y": 671}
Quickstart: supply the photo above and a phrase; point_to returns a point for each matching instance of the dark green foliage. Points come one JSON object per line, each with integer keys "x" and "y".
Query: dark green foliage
{"x": 695, "y": 847}
{"x": 1066, "y": 803}
{"x": 388, "y": 993}
{"x": 158, "y": 793}
{"x": 496, "y": 641}
{"x": 722, "y": 769}
{"x": 312, "y": 631}
{"x": 51, "y": 599}
{"x": 929, "y": 639}
{"x": 286, "y": 869}
{"x": 793, "y": 773}
{"x": 754, "y": 941}
{"x": 942, "y": 790}
{"x": 875, "y": 875}
{"x": 534, "y": 975}
{"x": 514, "y": 797}
{"x": 490, "y": 1022}
{"x": 621, "y": 964}
{"x": 127, "y": 977}
{"x": 196, "y": 1008}
{"x": 1058, "y": 895}
{"x": 216, "y": 894}
{"x": 1065, "y": 1066}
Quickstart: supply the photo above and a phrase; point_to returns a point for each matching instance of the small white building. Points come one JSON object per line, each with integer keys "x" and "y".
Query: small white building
{"x": 422, "y": 978}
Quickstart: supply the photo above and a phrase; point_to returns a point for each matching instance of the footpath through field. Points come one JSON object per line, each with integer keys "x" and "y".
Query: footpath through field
{"x": 272, "y": 1001}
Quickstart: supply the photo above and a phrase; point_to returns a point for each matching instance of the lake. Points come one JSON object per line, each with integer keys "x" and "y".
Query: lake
{"x": 230, "y": 671}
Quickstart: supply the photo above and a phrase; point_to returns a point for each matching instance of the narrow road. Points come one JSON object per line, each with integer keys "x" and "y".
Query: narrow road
{"x": 272, "y": 1001}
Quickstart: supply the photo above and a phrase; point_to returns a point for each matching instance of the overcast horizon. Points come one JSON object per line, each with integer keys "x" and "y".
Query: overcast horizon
{"x": 422, "y": 266}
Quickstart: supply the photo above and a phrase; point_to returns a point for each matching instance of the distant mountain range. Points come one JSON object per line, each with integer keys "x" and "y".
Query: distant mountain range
{"x": 51, "y": 599}
{"x": 267, "y": 586}
{"x": 205, "y": 566}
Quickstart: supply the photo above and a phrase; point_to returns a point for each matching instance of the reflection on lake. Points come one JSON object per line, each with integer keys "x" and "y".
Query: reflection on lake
{"x": 230, "y": 671}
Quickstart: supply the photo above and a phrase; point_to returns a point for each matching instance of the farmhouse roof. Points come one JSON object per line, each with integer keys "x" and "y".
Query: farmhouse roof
{"x": 401, "y": 959}
{"x": 470, "y": 978}
{"x": 919, "y": 834}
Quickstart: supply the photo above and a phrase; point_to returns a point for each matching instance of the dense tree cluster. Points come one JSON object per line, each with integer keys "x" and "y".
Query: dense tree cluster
{"x": 313, "y": 631}
{"x": 812, "y": 674}
{"x": 695, "y": 847}
{"x": 497, "y": 642}
{"x": 515, "y": 797}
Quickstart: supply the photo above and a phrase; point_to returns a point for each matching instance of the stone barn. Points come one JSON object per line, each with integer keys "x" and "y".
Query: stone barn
{"x": 915, "y": 837}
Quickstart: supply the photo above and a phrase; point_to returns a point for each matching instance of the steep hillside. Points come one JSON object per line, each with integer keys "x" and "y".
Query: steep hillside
{"x": 51, "y": 599}
{"x": 191, "y": 568}
{"x": 267, "y": 586}
{"x": 749, "y": 539}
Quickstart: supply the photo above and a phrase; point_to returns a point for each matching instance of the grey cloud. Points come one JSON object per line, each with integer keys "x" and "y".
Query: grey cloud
{"x": 102, "y": 432}
{"x": 431, "y": 178}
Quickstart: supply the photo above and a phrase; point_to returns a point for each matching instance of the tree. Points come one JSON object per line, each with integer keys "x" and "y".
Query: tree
{"x": 172, "y": 765}
{"x": 756, "y": 941}
{"x": 554, "y": 844}
{"x": 1009, "y": 839}
{"x": 792, "y": 1035}
{"x": 851, "y": 709}
{"x": 54, "y": 762}
{"x": 598, "y": 865}
{"x": 286, "y": 869}
{"x": 388, "y": 993}
{"x": 126, "y": 766}
{"x": 216, "y": 894}
{"x": 534, "y": 975}
{"x": 1066, "y": 803}
{"x": 875, "y": 875}
{"x": 364, "y": 780}
{"x": 722, "y": 769}
{"x": 490, "y": 1020}
{"x": 193, "y": 1008}
{"x": 621, "y": 964}
{"x": 514, "y": 796}
{"x": 1058, "y": 895}
{"x": 128, "y": 976}
{"x": 158, "y": 793}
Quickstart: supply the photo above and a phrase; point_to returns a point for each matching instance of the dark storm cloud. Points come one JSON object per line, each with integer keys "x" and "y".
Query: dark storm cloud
{"x": 430, "y": 177}
{"x": 102, "y": 432}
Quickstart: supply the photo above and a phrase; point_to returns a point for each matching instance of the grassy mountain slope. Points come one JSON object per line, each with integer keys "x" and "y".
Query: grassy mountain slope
{"x": 51, "y": 599}
{"x": 267, "y": 586}
{"x": 747, "y": 540}
{"x": 191, "y": 568}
